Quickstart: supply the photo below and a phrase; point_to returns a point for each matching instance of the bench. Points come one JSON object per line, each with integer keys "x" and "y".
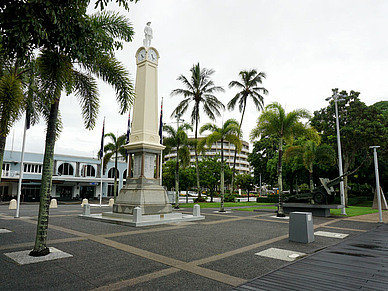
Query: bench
{"x": 322, "y": 210}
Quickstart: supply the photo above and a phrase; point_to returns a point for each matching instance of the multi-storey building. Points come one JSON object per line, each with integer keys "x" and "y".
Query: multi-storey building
{"x": 73, "y": 177}
{"x": 242, "y": 164}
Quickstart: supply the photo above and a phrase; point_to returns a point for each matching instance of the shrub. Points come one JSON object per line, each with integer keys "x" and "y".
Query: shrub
{"x": 229, "y": 197}
{"x": 200, "y": 199}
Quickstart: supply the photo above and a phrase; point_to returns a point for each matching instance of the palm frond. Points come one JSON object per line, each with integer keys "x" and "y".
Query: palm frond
{"x": 85, "y": 87}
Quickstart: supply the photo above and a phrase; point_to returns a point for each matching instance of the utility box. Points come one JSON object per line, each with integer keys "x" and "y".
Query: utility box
{"x": 301, "y": 227}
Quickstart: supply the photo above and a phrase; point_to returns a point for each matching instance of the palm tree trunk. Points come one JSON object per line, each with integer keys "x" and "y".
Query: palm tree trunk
{"x": 2, "y": 147}
{"x": 196, "y": 153}
{"x": 222, "y": 177}
{"x": 235, "y": 150}
{"x": 40, "y": 248}
{"x": 177, "y": 179}
{"x": 115, "y": 183}
{"x": 280, "y": 180}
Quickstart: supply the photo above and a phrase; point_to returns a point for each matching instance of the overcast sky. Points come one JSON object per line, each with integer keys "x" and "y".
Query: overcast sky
{"x": 305, "y": 47}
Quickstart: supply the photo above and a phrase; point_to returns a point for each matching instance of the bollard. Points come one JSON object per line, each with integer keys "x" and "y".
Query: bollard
{"x": 111, "y": 202}
{"x": 84, "y": 201}
{"x": 53, "y": 203}
{"x": 137, "y": 214}
{"x": 196, "y": 210}
{"x": 301, "y": 227}
{"x": 12, "y": 204}
{"x": 86, "y": 209}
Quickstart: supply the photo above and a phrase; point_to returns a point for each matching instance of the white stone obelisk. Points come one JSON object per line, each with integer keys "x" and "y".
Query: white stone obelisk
{"x": 143, "y": 187}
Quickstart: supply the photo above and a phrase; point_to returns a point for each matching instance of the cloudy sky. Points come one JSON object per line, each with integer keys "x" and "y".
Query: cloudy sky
{"x": 306, "y": 48}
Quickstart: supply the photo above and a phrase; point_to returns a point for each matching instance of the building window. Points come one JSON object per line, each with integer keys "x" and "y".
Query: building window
{"x": 111, "y": 173}
{"x": 66, "y": 169}
{"x": 32, "y": 168}
{"x": 88, "y": 171}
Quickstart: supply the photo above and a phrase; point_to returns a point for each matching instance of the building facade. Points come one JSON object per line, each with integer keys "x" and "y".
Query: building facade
{"x": 242, "y": 164}
{"x": 73, "y": 177}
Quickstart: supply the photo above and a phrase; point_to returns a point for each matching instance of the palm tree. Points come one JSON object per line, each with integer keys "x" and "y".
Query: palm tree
{"x": 311, "y": 151}
{"x": 274, "y": 122}
{"x": 18, "y": 93}
{"x": 249, "y": 86}
{"x": 114, "y": 148}
{"x": 178, "y": 139}
{"x": 229, "y": 131}
{"x": 58, "y": 72}
{"x": 200, "y": 90}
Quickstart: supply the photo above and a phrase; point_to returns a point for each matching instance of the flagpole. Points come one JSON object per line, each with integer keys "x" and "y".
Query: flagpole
{"x": 102, "y": 158}
{"x": 161, "y": 142}
{"x": 21, "y": 170}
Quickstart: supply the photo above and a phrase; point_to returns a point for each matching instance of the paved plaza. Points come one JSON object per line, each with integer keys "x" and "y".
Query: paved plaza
{"x": 222, "y": 252}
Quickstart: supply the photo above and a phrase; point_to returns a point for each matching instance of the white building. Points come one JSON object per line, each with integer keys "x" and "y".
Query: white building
{"x": 242, "y": 164}
{"x": 73, "y": 177}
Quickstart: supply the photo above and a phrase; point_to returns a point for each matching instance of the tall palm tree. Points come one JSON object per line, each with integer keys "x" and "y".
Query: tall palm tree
{"x": 199, "y": 90}
{"x": 115, "y": 147}
{"x": 58, "y": 72}
{"x": 178, "y": 139}
{"x": 275, "y": 122}
{"x": 230, "y": 131}
{"x": 249, "y": 86}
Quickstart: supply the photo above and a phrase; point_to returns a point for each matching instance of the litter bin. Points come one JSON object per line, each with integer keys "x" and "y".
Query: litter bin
{"x": 301, "y": 227}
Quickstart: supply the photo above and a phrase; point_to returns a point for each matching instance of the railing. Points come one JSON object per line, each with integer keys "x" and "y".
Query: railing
{"x": 10, "y": 173}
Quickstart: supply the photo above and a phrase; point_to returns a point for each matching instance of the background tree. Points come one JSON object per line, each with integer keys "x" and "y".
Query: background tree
{"x": 178, "y": 139}
{"x": 229, "y": 131}
{"x": 199, "y": 90}
{"x": 361, "y": 126}
{"x": 275, "y": 122}
{"x": 249, "y": 86}
{"x": 63, "y": 72}
{"x": 245, "y": 182}
{"x": 114, "y": 148}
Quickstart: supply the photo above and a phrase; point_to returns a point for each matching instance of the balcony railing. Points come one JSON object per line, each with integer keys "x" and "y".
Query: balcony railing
{"x": 10, "y": 173}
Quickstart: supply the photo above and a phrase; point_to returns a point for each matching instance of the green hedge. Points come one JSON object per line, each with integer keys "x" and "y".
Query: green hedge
{"x": 269, "y": 199}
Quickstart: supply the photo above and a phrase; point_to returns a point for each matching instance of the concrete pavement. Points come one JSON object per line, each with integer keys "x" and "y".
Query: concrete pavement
{"x": 217, "y": 253}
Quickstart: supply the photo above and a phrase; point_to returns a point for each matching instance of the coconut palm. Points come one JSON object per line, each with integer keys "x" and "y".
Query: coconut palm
{"x": 230, "y": 131}
{"x": 59, "y": 71}
{"x": 249, "y": 86}
{"x": 199, "y": 90}
{"x": 114, "y": 148}
{"x": 275, "y": 122}
{"x": 178, "y": 139}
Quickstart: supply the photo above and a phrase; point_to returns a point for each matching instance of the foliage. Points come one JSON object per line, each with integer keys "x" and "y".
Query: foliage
{"x": 245, "y": 181}
{"x": 275, "y": 122}
{"x": 74, "y": 47}
{"x": 358, "y": 122}
{"x": 229, "y": 131}
{"x": 230, "y": 196}
{"x": 114, "y": 148}
{"x": 178, "y": 139}
{"x": 249, "y": 86}
{"x": 199, "y": 90}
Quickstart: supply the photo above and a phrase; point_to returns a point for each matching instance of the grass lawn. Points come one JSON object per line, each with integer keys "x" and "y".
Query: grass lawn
{"x": 353, "y": 211}
{"x": 226, "y": 204}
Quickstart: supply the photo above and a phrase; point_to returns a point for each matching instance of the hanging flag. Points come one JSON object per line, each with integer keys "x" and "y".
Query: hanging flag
{"x": 128, "y": 129}
{"x": 102, "y": 140}
{"x": 161, "y": 123}
{"x": 28, "y": 118}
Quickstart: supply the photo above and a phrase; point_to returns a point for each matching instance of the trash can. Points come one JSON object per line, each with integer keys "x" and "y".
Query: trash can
{"x": 301, "y": 227}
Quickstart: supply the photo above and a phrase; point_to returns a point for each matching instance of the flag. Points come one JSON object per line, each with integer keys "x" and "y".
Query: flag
{"x": 161, "y": 123}
{"x": 28, "y": 119}
{"x": 128, "y": 129}
{"x": 102, "y": 140}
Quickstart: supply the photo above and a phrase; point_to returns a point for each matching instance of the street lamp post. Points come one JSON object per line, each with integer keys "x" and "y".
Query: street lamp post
{"x": 336, "y": 97}
{"x": 377, "y": 182}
